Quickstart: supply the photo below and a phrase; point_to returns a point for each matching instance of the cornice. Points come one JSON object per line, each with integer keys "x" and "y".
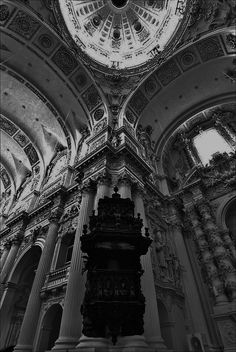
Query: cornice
{"x": 23, "y": 215}
{"x": 39, "y": 209}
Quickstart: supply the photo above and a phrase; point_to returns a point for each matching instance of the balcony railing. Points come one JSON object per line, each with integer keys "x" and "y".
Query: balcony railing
{"x": 56, "y": 278}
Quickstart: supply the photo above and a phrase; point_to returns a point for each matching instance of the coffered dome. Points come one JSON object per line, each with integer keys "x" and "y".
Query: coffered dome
{"x": 122, "y": 34}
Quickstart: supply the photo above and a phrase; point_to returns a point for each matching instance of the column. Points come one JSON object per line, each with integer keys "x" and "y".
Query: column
{"x": 222, "y": 257}
{"x": 6, "y": 250}
{"x": 214, "y": 282}
{"x": 124, "y": 185}
{"x": 152, "y": 330}
{"x": 87, "y": 343}
{"x": 15, "y": 244}
{"x": 191, "y": 152}
{"x": 5, "y": 311}
{"x": 30, "y": 321}
{"x": 200, "y": 314}
{"x": 103, "y": 189}
{"x": 71, "y": 323}
{"x": 225, "y": 132}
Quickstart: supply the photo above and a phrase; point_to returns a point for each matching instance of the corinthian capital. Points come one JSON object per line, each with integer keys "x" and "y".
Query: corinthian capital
{"x": 17, "y": 239}
{"x": 104, "y": 178}
{"x": 125, "y": 179}
{"x": 55, "y": 214}
{"x": 88, "y": 186}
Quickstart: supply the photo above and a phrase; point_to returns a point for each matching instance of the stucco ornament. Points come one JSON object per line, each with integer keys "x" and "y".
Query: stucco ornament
{"x": 121, "y": 34}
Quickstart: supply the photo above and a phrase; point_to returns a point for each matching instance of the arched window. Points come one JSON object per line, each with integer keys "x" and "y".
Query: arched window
{"x": 210, "y": 142}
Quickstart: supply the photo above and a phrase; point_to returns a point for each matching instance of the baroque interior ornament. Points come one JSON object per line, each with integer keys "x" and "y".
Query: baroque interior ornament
{"x": 123, "y": 34}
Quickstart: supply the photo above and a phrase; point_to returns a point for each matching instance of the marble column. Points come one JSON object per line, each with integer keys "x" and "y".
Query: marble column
{"x": 30, "y": 321}
{"x": 152, "y": 330}
{"x": 15, "y": 245}
{"x": 71, "y": 323}
{"x": 6, "y": 250}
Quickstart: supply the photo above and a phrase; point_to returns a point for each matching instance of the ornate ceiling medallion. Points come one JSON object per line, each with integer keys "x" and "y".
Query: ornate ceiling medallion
{"x": 123, "y": 34}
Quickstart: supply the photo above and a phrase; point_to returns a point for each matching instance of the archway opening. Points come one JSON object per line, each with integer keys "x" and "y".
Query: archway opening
{"x": 230, "y": 219}
{"x": 16, "y": 298}
{"x": 50, "y": 328}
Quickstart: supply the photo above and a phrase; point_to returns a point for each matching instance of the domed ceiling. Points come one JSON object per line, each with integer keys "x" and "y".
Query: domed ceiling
{"x": 123, "y": 34}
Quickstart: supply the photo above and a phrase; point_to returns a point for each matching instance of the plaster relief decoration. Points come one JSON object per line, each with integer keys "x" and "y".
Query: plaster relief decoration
{"x": 56, "y": 169}
{"x": 28, "y": 185}
{"x": 5, "y": 199}
{"x": 123, "y": 34}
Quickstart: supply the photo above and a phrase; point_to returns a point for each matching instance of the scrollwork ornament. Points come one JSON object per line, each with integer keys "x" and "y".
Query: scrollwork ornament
{"x": 231, "y": 40}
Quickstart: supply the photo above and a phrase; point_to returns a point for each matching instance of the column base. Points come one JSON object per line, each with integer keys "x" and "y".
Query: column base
{"x": 23, "y": 348}
{"x": 134, "y": 343}
{"x": 90, "y": 343}
{"x": 65, "y": 344}
{"x": 157, "y": 344}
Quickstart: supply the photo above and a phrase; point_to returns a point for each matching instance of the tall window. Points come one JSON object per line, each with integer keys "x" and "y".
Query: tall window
{"x": 209, "y": 142}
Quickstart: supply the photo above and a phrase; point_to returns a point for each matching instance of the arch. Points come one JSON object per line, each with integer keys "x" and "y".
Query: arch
{"x": 50, "y": 327}
{"x": 16, "y": 296}
{"x": 230, "y": 218}
{"x": 225, "y": 214}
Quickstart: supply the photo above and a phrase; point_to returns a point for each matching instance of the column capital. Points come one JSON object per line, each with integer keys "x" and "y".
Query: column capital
{"x": 17, "y": 239}
{"x": 55, "y": 214}
{"x": 104, "y": 178}
{"x": 139, "y": 190}
{"x": 125, "y": 179}
{"x": 7, "y": 245}
{"x": 88, "y": 186}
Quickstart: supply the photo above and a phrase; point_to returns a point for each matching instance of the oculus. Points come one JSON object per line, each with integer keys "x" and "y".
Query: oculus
{"x": 123, "y": 34}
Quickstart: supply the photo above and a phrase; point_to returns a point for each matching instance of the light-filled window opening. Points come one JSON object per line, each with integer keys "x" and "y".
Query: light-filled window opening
{"x": 210, "y": 142}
